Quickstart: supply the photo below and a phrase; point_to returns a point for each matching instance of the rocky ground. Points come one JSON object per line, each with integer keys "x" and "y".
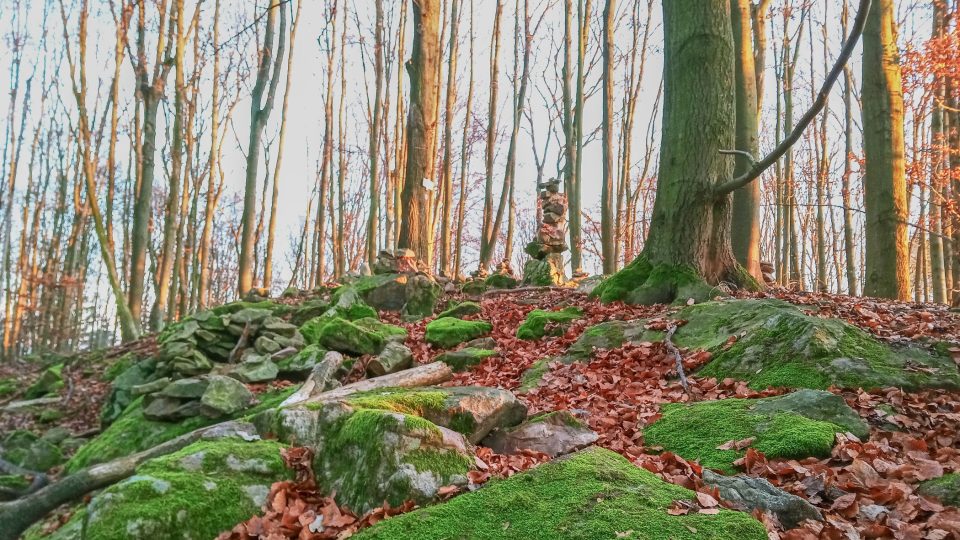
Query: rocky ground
{"x": 389, "y": 408}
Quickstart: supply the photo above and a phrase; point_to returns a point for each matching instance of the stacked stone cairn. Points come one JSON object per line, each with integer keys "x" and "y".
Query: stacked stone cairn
{"x": 206, "y": 360}
{"x": 546, "y": 266}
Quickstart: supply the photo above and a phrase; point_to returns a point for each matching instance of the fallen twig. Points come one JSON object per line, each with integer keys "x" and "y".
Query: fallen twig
{"x": 676, "y": 355}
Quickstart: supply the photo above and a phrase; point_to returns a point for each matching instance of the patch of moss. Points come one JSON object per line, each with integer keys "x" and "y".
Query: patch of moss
{"x": 133, "y": 433}
{"x": 532, "y": 376}
{"x": 589, "y": 495}
{"x": 501, "y": 281}
{"x": 778, "y": 345}
{"x": 694, "y": 431}
{"x": 618, "y": 285}
{"x": 8, "y": 386}
{"x": 440, "y": 463}
{"x": 461, "y": 310}
{"x": 402, "y": 400}
{"x": 463, "y": 423}
{"x": 449, "y": 332}
{"x": 49, "y": 382}
{"x": 14, "y": 482}
{"x": 341, "y": 335}
{"x": 197, "y": 492}
{"x": 946, "y": 489}
{"x": 119, "y": 366}
{"x": 386, "y": 330}
{"x": 539, "y": 322}
{"x": 642, "y": 282}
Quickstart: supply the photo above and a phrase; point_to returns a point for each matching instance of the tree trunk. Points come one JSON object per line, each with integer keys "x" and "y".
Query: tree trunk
{"x": 373, "y": 217}
{"x": 937, "y": 184}
{"x": 608, "y": 235}
{"x": 746, "y": 200}
{"x": 418, "y": 190}
{"x": 888, "y": 272}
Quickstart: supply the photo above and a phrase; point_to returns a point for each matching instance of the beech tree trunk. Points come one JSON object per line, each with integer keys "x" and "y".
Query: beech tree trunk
{"x": 608, "y": 235}
{"x": 885, "y": 191}
{"x": 418, "y": 189}
{"x": 746, "y": 200}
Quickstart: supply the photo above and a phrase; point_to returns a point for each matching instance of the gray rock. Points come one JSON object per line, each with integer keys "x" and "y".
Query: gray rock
{"x": 27, "y": 450}
{"x": 750, "y": 493}
{"x": 150, "y": 387}
{"x": 255, "y": 371}
{"x": 487, "y": 343}
{"x": 190, "y": 388}
{"x": 167, "y": 409}
{"x": 554, "y": 434}
{"x": 265, "y": 345}
{"x": 225, "y": 396}
{"x": 394, "y": 357}
{"x": 250, "y": 316}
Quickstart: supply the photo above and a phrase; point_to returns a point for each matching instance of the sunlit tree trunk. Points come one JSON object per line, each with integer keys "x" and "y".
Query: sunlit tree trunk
{"x": 373, "y": 216}
{"x": 608, "y": 237}
{"x": 885, "y": 177}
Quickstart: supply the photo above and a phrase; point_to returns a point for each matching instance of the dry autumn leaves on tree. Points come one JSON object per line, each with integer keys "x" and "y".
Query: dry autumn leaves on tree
{"x": 480, "y": 269}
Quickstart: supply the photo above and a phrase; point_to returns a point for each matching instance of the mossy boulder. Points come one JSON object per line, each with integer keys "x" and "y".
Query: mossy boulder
{"x": 641, "y": 282}
{"x": 389, "y": 332}
{"x": 540, "y": 323}
{"x": 946, "y": 489}
{"x": 132, "y": 432}
{"x": 193, "y": 494}
{"x": 464, "y": 359}
{"x": 341, "y": 335}
{"x": 592, "y": 494}
{"x": 28, "y": 450}
{"x": 606, "y": 335}
{"x": 472, "y": 411}
{"x": 449, "y": 332}
{"x": 780, "y": 427}
{"x": 461, "y": 310}
{"x": 8, "y": 386}
{"x": 300, "y": 364}
{"x": 777, "y": 344}
{"x": 50, "y": 381}
{"x": 413, "y": 295}
{"x": 369, "y": 456}
{"x": 121, "y": 390}
{"x": 501, "y": 281}
{"x": 543, "y": 272}
{"x": 474, "y": 287}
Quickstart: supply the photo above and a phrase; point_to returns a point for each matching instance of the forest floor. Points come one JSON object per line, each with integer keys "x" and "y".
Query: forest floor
{"x": 864, "y": 490}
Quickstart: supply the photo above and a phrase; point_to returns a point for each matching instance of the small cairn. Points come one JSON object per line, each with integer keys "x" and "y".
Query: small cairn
{"x": 767, "y": 270}
{"x": 546, "y": 266}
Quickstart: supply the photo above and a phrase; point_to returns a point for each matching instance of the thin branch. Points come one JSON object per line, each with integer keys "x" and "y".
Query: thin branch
{"x": 759, "y": 166}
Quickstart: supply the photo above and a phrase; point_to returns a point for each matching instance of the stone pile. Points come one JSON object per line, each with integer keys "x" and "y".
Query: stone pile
{"x": 546, "y": 267}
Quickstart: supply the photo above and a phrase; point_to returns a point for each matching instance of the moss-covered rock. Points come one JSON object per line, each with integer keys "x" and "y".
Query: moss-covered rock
{"x": 554, "y": 433}
{"x": 946, "y": 489}
{"x": 606, "y": 335}
{"x": 474, "y": 287}
{"x": 461, "y": 310}
{"x": 540, "y": 323}
{"x": 544, "y": 272}
{"x": 371, "y": 455}
{"x": 337, "y": 334}
{"x": 8, "y": 386}
{"x": 472, "y": 411}
{"x": 464, "y": 359}
{"x": 533, "y": 375}
{"x": 589, "y": 495}
{"x": 449, "y": 332}
{"x": 389, "y": 332}
{"x": 26, "y": 449}
{"x": 501, "y": 281}
{"x": 132, "y": 432}
{"x": 300, "y": 364}
{"x": 50, "y": 381}
{"x": 195, "y": 493}
{"x": 348, "y": 305}
{"x": 697, "y": 430}
{"x": 780, "y": 345}
{"x": 413, "y": 295}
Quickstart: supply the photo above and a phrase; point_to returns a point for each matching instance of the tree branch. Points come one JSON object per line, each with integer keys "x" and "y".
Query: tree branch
{"x": 759, "y": 166}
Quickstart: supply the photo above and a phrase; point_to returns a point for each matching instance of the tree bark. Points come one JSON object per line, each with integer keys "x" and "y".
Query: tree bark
{"x": 418, "y": 190}
{"x": 608, "y": 236}
{"x": 887, "y": 264}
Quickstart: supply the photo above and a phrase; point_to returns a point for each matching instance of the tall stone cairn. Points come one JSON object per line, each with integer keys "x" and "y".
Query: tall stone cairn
{"x": 546, "y": 266}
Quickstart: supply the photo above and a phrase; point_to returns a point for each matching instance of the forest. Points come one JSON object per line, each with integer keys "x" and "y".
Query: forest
{"x": 483, "y": 269}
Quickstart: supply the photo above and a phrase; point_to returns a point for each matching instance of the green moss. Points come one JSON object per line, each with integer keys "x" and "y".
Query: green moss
{"x": 590, "y": 495}
{"x": 341, "y": 335}
{"x": 169, "y": 498}
{"x": 618, "y": 285}
{"x": 779, "y": 345}
{"x": 119, "y": 366}
{"x": 14, "y": 482}
{"x": 448, "y": 331}
{"x": 49, "y": 382}
{"x": 461, "y": 310}
{"x": 532, "y": 376}
{"x": 401, "y": 400}
{"x": 133, "y": 433}
{"x": 439, "y": 463}
{"x": 565, "y": 416}
{"x": 501, "y": 281}
{"x": 694, "y": 431}
{"x": 946, "y": 489}
{"x": 535, "y": 326}
{"x": 463, "y": 359}
{"x": 8, "y": 386}
{"x": 386, "y": 330}
{"x": 463, "y": 422}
